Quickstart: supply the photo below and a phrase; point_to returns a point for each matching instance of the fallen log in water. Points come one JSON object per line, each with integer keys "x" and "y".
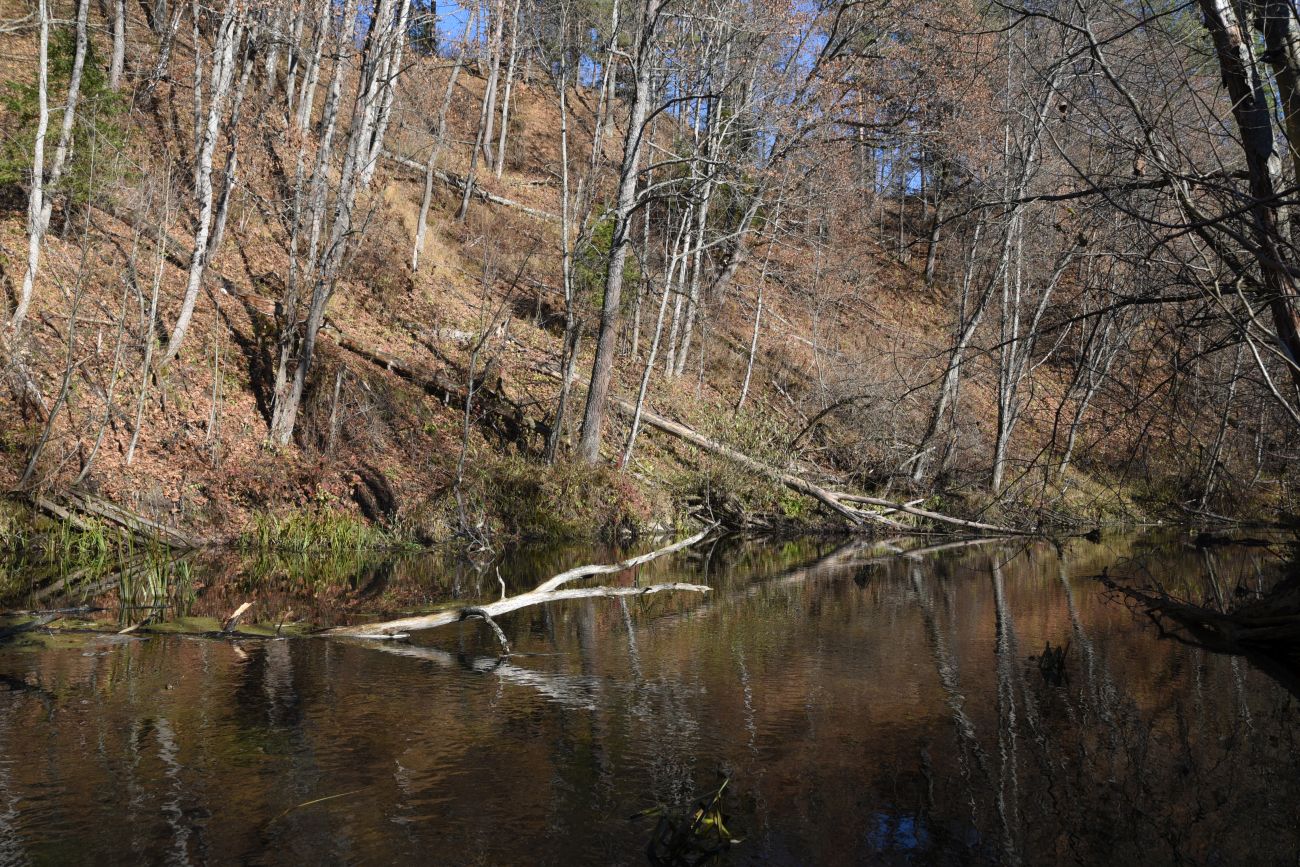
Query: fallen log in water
{"x": 631, "y": 562}
{"x": 911, "y": 509}
{"x": 1270, "y": 624}
{"x": 1266, "y": 631}
{"x": 548, "y": 591}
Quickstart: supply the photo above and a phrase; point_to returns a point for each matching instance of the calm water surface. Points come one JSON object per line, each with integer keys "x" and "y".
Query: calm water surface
{"x": 869, "y": 706}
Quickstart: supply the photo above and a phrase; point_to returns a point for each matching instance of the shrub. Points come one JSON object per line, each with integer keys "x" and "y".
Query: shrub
{"x": 317, "y": 528}
{"x": 592, "y": 261}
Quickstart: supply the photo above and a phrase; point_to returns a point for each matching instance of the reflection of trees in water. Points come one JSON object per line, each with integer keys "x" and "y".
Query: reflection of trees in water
{"x": 1172, "y": 760}
{"x": 933, "y": 737}
{"x": 172, "y": 809}
{"x": 968, "y": 745}
{"x": 11, "y": 844}
{"x": 1007, "y": 663}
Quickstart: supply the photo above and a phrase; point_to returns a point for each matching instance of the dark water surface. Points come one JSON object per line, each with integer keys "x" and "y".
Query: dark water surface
{"x": 870, "y": 707}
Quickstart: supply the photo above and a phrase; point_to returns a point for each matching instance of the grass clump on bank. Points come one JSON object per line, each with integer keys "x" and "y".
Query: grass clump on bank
{"x": 317, "y": 529}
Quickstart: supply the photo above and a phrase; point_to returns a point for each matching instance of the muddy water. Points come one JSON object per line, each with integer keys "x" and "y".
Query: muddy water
{"x": 869, "y": 707}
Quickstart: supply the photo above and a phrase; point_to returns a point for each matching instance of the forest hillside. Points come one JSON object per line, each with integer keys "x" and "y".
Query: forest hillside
{"x": 588, "y": 268}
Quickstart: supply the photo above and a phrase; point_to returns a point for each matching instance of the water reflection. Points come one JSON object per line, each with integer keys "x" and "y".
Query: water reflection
{"x": 869, "y": 704}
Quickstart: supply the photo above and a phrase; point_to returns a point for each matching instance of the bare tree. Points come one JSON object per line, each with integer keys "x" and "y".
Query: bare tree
{"x": 593, "y": 421}
{"x": 483, "y": 137}
{"x": 439, "y": 142}
{"x": 505, "y": 96}
{"x": 40, "y": 202}
{"x": 330, "y": 227}
{"x": 227, "y": 47}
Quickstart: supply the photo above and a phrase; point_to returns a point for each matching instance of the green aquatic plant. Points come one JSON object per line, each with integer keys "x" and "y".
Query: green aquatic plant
{"x": 156, "y": 583}
{"x": 316, "y": 529}
{"x": 696, "y": 834}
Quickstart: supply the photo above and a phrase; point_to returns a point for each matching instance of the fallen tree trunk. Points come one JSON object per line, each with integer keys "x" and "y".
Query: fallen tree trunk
{"x": 547, "y": 591}
{"x": 75, "y": 506}
{"x": 630, "y": 563}
{"x": 911, "y": 509}
{"x": 1266, "y": 631}
{"x": 458, "y": 183}
{"x": 856, "y": 498}
{"x": 834, "y": 501}
{"x": 855, "y": 516}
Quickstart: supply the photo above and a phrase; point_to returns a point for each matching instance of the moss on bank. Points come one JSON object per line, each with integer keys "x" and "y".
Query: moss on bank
{"x": 520, "y": 499}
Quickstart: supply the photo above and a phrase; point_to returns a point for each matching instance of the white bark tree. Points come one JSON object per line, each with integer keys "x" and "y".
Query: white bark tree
{"x": 117, "y": 63}
{"x": 40, "y": 202}
{"x": 330, "y": 226}
{"x": 221, "y": 63}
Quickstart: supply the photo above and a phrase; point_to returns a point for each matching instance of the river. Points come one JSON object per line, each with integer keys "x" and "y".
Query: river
{"x": 865, "y": 704}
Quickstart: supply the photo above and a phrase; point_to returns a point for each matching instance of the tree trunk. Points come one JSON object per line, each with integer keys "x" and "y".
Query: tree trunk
{"x": 1251, "y": 109}
{"x": 146, "y": 366}
{"x": 693, "y": 299}
{"x": 1216, "y": 451}
{"x": 758, "y": 311}
{"x": 381, "y": 54}
{"x": 572, "y": 326}
{"x": 230, "y": 174}
{"x": 505, "y": 97}
{"x": 311, "y": 77}
{"x": 40, "y": 203}
{"x": 439, "y": 140}
{"x": 485, "y": 114}
{"x": 36, "y": 195}
{"x": 678, "y": 255}
{"x": 118, "y": 61}
{"x": 229, "y": 34}
{"x": 602, "y": 369}
{"x": 967, "y": 323}
{"x": 496, "y": 49}
{"x": 389, "y": 67}
{"x": 936, "y": 224}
